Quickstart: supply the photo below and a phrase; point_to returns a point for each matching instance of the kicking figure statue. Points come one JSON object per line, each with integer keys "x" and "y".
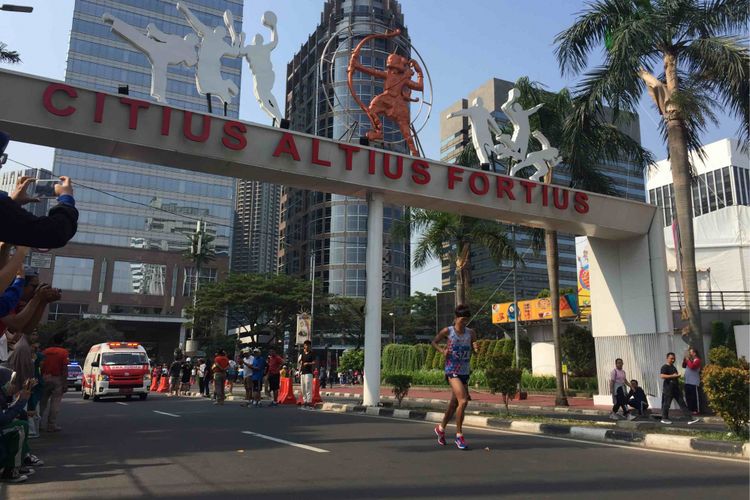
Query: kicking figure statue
{"x": 160, "y": 48}
{"x": 482, "y": 125}
{"x": 544, "y": 160}
{"x": 212, "y": 48}
{"x": 516, "y": 146}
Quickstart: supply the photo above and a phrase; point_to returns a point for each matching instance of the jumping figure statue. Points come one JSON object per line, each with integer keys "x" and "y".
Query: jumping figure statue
{"x": 516, "y": 146}
{"x": 212, "y": 48}
{"x": 544, "y": 160}
{"x": 394, "y": 101}
{"x": 160, "y": 48}
{"x": 258, "y": 56}
{"x": 482, "y": 126}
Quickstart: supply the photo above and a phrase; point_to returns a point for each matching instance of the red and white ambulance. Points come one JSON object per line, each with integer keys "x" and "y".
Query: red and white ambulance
{"x": 116, "y": 369}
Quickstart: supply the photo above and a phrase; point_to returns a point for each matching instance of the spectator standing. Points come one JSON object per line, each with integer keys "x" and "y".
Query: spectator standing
{"x": 618, "y": 380}
{"x": 220, "y": 367}
{"x": 671, "y": 391}
{"x": 14, "y": 447}
{"x": 274, "y": 363}
{"x": 175, "y": 370}
{"x": 231, "y": 375}
{"x": 308, "y": 363}
{"x": 637, "y": 398}
{"x": 247, "y": 380}
{"x": 185, "y": 372}
{"x": 692, "y": 365}
{"x": 32, "y": 409}
{"x": 203, "y": 377}
{"x": 55, "y": 375}
{"x": 259, "y": 370}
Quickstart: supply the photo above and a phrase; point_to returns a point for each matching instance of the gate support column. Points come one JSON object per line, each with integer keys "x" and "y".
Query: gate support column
{"x": 373, "y": 298}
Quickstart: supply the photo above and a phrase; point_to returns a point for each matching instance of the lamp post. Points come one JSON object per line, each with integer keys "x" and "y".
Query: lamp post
{"x": 393, "y": 331}
{"x": 16, "y": 8}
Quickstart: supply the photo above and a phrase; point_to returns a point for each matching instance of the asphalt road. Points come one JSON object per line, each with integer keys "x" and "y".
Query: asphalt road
{"x": 189, "y": 448}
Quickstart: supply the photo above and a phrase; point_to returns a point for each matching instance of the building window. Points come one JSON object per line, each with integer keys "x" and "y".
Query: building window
{"x": 138, "y": 278}
{"x": 72, "y": 273}
{"x": 66, "y": 311}
{"x": 208, "y": 275}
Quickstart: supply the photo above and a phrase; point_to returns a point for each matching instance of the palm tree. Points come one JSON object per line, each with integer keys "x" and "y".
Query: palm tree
{"x": 451, "y": 237}
{"x": 585, "y": 141}
{"x": 8, "y": 56}
{"x": 201, "y": 251}
{"x": 700, "y": 45}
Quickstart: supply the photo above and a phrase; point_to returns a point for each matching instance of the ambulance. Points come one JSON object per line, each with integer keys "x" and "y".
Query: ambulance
{"x": 116, "y": 369}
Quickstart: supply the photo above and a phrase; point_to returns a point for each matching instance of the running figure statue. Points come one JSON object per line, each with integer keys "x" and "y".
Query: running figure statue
{"x": 461, "y": 341}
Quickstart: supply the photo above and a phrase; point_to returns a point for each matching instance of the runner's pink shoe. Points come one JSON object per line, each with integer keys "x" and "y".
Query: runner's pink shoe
{"x": 440, "y": 435}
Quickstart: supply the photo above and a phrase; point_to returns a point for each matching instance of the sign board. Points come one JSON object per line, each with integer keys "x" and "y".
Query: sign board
{"x": 584, "y": 282}
{"x": 303, "y": 328}
{"x": 533, "y": 310}
{"x": 41, "y": 260}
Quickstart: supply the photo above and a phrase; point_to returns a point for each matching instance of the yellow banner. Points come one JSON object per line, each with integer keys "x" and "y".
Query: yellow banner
{"x": 531, "y": 310}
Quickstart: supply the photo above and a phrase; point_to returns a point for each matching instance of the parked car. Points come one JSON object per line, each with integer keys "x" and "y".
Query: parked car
{"x": 75, "y": 376}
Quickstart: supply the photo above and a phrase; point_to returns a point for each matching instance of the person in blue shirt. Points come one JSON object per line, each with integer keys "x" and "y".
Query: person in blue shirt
{"x": 259, "y": 370}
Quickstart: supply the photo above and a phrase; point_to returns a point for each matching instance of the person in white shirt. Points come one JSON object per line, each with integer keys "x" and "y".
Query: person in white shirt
{"x": 247, "y": 365}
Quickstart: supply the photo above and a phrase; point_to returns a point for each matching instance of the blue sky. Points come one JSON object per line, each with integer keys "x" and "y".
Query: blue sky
{"x": 464, "y": 43}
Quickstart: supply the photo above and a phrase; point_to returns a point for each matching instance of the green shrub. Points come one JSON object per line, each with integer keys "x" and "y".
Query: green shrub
{"x": 728, "y": 390}
{"x": 478, "y": 378}
{"x": 400, "y": 383}
{"x": 352, "y": 360}
{"x": 577, "y": 347}
{"x": 718, "y": 334}
{"x": 438, "y": 362}
{"x": 723, "y": 356}
{"x": 586, "y": 384}
{"x": 537, "y": 383}
{"x": 422, "y": 377}
{"x": 430, "y": 358}
{"x": 402, "y": 358}
{"x": 503, "y": 378}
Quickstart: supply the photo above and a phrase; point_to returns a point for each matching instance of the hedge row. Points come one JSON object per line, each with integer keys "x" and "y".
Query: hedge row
{"x": 401, "y": 358}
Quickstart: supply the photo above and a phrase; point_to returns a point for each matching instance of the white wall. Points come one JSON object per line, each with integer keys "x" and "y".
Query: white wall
{"x": 742, "y": 337}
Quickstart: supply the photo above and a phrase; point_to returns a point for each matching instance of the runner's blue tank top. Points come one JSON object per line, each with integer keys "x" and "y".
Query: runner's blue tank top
{"x": 459, "y": 352}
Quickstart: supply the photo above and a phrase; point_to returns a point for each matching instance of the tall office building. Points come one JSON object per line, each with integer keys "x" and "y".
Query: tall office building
{"x": 455, "y": 134}
{"x": 135, "y": 217}
{"x": 255, "y": 242}
{"x": 333, "y": 227}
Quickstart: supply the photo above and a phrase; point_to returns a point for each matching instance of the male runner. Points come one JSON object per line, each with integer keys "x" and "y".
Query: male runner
{"x": 461, "y": 341}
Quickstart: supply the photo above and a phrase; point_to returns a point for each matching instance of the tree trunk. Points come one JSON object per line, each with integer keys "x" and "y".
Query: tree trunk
{"x": 463, "y": 275}
{"x": 553, "y": 265}
{"x": 680, "y": 165}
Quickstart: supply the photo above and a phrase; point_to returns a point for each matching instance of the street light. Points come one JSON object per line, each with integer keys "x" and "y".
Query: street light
{"x": 393, "y": 334}
{"x": 16, "y": 8}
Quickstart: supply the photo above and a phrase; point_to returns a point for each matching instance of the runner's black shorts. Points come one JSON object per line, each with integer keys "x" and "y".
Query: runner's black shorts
{"x": 273, "y": 381}
{"x": 463, "y": 378}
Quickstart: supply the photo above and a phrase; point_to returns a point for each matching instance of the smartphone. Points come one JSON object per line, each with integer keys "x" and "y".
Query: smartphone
{"x": 42, "y": 188}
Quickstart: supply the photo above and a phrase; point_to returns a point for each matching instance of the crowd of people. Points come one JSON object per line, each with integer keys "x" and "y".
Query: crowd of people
{"x": 32, "y": 379}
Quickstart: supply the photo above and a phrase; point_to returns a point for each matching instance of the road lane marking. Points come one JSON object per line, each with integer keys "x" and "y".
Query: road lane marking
{"x": 121, "y": 403}
{"x": 282, "y": 441}
{"x": 165, "y": 413}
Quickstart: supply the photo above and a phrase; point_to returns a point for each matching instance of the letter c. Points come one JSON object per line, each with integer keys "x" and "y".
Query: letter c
{"x": 47, "y": 99}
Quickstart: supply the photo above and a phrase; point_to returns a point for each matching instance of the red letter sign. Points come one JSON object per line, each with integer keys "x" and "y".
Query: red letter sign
{"x": 47, "y": 99}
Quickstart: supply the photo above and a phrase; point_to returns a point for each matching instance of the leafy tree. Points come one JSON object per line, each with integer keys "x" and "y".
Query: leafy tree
{"x": 503, "y": 378}
{"x": 450, "y": 237}
{"x": 701, "y": 46}
{"x": 401, "y": 384}
{"x": 342, "y": 315}
{"x": 586, "y": 139}
{"x": 352, "y": 359}
{"x": 80, "y": 334}
{"x": 577, "y": 347}
{"x": 268, "y": 302}
{"x": 728, "y": 391}
{"x": 718, "y": 334}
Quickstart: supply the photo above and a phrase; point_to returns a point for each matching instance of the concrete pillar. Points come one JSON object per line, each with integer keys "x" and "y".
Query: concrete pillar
{"x": 373, "y": 298}
{"x": 183, "y": 335}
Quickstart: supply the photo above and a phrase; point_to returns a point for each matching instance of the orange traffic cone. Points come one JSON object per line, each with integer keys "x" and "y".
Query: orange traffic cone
{"x": 163, "y": 384}
{"x": 286, "y": 392}
{"x": 316, "y": 392}
{"x": 155, "y": 384}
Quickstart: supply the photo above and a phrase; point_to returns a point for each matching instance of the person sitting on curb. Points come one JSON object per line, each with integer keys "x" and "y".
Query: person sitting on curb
{"x": 637, "y": 398}
{"x": 15, "y": 457}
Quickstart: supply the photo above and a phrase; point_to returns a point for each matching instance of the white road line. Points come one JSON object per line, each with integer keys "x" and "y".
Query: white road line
{"x": 121, "y": 403}
{"x": 282, "y": 441}
{"x": 165, "y": 413}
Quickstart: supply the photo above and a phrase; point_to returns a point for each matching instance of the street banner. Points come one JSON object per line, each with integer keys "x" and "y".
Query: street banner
{"x": 584, "y": 284}
{"x": 534, "y": 310}
{"x": 303, "y": 328}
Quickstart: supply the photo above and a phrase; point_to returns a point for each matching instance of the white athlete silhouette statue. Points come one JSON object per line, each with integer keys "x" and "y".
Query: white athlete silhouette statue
{"x": 515, "y": 147}
{"x": 212, "y": 48}
{"x": 258, "y": 57}
{"x": 482, "y": 126}
{"x": 160, "y": 48}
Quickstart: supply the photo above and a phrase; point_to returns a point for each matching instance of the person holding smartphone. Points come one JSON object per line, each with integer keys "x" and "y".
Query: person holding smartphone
{"x": 19, "y": 227}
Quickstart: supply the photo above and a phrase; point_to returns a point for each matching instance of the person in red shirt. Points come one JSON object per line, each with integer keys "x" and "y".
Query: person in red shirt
{"x": 273, "y": 365}
{"x": 221, "y": 365}
{"x": 692, "y": 365}
{"x": 55, "y": 374}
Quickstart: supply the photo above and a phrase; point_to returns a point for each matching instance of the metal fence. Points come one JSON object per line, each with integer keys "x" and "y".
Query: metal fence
{"x": 715, "y": 300}
{"x": 642, "y": 356}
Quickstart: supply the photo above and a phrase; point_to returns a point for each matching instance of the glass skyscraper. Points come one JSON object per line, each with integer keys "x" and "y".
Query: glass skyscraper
{"x": 333, "y": 227}
{"x": 162, "y": 203}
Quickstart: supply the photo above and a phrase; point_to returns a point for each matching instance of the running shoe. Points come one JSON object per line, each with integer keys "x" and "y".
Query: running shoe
{"x": 440, "y": 435}
{"x": 461, "y": 443}
{"x": 694, "y": 420}
{"x": 630, "y": 416}
{"x": 11, "y": 475}
{"x": 665, "y": 421}
{"x": 32, "y": 460}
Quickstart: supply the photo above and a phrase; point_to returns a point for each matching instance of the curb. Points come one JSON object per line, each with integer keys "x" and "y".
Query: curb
{"x": 630, "y": 438}
{"x": 498, "y": 406}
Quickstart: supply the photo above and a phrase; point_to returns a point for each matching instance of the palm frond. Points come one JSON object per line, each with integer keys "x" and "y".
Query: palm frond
{"x": 709, "y": 18}
{"x": 8, "y": 56}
